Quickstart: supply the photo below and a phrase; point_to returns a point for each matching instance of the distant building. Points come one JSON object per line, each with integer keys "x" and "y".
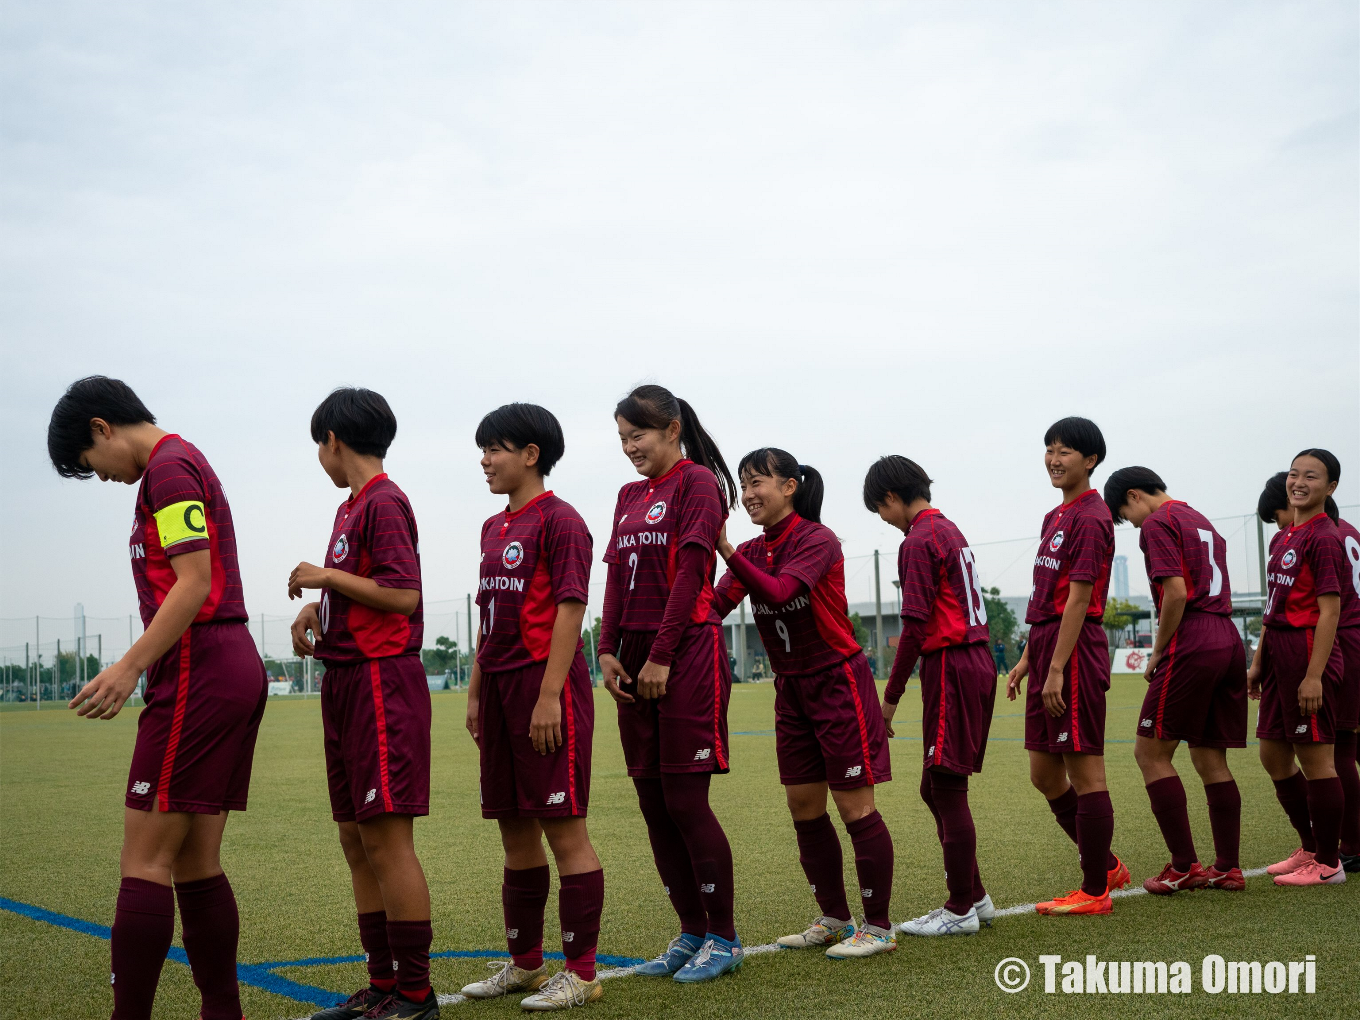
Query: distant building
{"x": 1119, "y": 577}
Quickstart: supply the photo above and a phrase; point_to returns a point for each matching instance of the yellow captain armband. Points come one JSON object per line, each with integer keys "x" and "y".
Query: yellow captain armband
{"x": 181, "y": 522}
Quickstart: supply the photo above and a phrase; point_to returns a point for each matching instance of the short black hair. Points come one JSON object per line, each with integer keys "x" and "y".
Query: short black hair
{"x": 1328, "y": 460}
{"x": 898, "y": 475}
{"x": 515, "y": 426}
{"x": 95, "y": 396}
{"x": 1081, "y": 434}
{"x": 1273, "y": 497}
{"x": 359, "y": 418}
{"x": 1126, "y": 478}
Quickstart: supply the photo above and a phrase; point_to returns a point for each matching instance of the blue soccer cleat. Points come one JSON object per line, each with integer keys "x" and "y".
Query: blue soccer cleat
{"x": 715, "y": 958}
{"x": 677, "y": 954}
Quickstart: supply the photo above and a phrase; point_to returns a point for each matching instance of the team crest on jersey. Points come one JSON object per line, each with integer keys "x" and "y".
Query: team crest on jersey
{"x": 657, "y": 512}
{"x": 1055, "y": 543}
{"x": 513, "y": 556}
{"x": 340, "y": 550}
{"x": 1289, "y": 558}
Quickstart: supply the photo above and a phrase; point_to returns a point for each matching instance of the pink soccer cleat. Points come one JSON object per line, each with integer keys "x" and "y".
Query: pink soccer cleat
{"x": 1314, "y": 873}
{"x": 1293, "y": 862}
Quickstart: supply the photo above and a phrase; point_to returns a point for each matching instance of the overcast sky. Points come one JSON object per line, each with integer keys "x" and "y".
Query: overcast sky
{"x": 845, "y": 229}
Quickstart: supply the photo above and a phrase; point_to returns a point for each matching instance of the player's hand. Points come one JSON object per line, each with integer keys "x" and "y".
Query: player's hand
{"x": 545, "y": 725}
{"x": 1310, "y": 695}
{"x": 305, "y": 575}
{"x": 104, "y": 696}
{"x": 1016, "y": 677}
{"x": 652, "y": 680}
{"x": 723, "y": 546}
{"x": 1254, "y": 683}
{"x": 1052, "y": 693}
{"x": 306, "y": 620}
{"x": 614, "y": 672}
{"x": 889, "y": 710}
{"x": 470, "y": 721}
{"x": 1153, "y": 659}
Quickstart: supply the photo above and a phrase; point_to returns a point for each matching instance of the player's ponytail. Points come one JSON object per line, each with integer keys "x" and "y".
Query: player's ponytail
{"x": 776, "y": 463}
{"x": 655, "y": 407}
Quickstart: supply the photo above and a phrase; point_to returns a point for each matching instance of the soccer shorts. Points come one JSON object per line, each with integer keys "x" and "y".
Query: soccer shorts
{"x": 1284, "y": 663}
{"x": 1198, "y": 691}
{"x": 1348, "y": 697}
{"x": 1080, "y": 729}
{"x": 828, "y": 727}
{"x": 958, "y": 692}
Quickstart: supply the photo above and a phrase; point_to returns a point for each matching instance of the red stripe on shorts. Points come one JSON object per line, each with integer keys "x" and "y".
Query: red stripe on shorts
{"x": 717, "y": 701}
{"x": 1166, "y": 683}
{"x": 859, "y": 718}
{"x": 1076, "y": 686}
{"x": 940, "y": 731}
{"x": 381, "y": 718}
{"x": 177, "y": 723}
{"x": 571, "y": 744}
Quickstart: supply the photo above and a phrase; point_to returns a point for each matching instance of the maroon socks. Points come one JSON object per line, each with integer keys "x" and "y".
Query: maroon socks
{"x": 1169, "y": 808}
{"x": 1095, "y": 830}
{"x": 410, "y": 942}
{"x": 949, "y": 792}
{"x": 672, "y": 858}
{"x": 579, "y": 903}
{"x": 874, "y": 866}
{"x": 710, "y": 854}
{"x": 1225, "y": 819}
{"x": 1344, "y": 757}
{"x": 819, "y": 852}
{"x": 373, "y": 935}
{"x": 143, "y": 926}
{"x": 1292, "y": 793}
{"x": 1326, "y": 801}
{"x": 212, "y": 927}
{"x": 524, "y": 896}
{"x": 1064, "y": 810}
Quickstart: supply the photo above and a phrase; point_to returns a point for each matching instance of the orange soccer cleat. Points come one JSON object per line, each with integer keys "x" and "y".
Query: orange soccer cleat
{"x": 1118, "y": 876}
{"x": 1077, "y": 902}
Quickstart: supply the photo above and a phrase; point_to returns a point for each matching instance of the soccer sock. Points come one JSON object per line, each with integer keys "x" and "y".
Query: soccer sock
{"x": 1095, "y": 830}
{"x": 1169, "y": 808}
{"x": 579, "y": 903}
{"x": 819, "y": 852}
{"x": 874, "y": 865}
{"x": 373, "y": 936}
{"x": 950, "y": 791}
{"x": 1064, "y": 808}
{"x": 212, "y": 927}
{"x": 143, "y": 926}
{"x": 710, "y": 853}
{"x": 1292, "y": 793}
{"x": 524, "y": 896}
{"x": 928, "y": 796}
{"x": 672, "y": 858}
{"x": 979, "y": 890}
{"x": 1326, "y": 800}
{"x": 410, "y": 942}
{"x": 1344, "y": 757}
{"x": 1225, "y": 819}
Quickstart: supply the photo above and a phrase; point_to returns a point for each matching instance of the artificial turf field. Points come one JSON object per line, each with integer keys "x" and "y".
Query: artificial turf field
{"x": 61, "y": 783}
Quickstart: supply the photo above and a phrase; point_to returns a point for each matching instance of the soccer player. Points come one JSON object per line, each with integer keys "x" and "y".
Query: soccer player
{"x": 1067, "y": 661}
{"x": 375, "y": 703}
{"x": 829, "y": 733}
{"x": 664, "y": 662}
{"x": 1348, "y": 704}
{"x": 531, "y": 709}
{"x": 1197, "y": 678}
{"x": 944, "y": 621}
{"x": 1297, "y": 673}
{"x": 205, "y": 695}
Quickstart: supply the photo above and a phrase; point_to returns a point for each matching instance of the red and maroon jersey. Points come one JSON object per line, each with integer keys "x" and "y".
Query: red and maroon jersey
{"x": 813, "y": 632}
{"x": 1350, "y": 581}
{"x": 532, "y": 559}
{"x": 653, "y": 518}
{"x": 1305, "y": 561}
{"x": 181, "y": 508}
{"x": 1077, "y": 544}
{"x": 940, "y": 583}
{"x": 1178, "y": 541}
{"x": 374, "y": 536}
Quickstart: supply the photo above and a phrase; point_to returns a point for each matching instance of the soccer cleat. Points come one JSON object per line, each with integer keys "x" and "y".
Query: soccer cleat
{"x": 1076, "y": 902}
{"x": 508, "y": 978}
{"x": 986, "y": 909}
{"x": 942, "y": 921}
{"x": 825, "y": 931}
{"x": 677, "y": 954}
{"x": 1351, "y": 862}
{"x": 1117, "y": 877}
{"x": 1293, "y": 862}
{"x": 1171, "y": 880}
{"x": 355, "y": 1006}
{"x": 398, "y": 1007}
{"x": 869, "y": 940}
{"x": 564, "y": 990}
{"x": 1232, "y": 880}
{"x": 715, "y": 958}
{"x": 1313, "y": 873}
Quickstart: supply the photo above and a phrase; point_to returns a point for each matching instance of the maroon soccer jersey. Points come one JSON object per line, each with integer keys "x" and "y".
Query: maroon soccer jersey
{"x": 1077, "y": 544}
{"x": 1350, "y": 580}
{"x": 813, "y": 632}
{"x": 653, "y": 518}
{"x": 1305, "y": 561}
{"x": 181, "y": 508}
{"x": 532, "y": 559}
{"x": 374, "y": 536}
{"x": 1178, "y": 541}
{"x": 940, "y": 584}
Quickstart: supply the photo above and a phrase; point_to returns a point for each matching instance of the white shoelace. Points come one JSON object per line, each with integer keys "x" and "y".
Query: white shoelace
{"x": 561, "y": 981}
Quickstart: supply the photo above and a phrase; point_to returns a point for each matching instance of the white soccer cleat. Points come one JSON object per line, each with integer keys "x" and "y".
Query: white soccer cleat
{"x": 507, "y": 979}
{"x": 564, "y": 990}
{"x": 943, "y": 921}
{"x": 869, "y": 940}
{"x": 986, "y": 910}
{"x": 825, "y": 931}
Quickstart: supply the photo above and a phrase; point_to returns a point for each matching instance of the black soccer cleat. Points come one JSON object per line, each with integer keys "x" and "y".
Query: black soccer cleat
{"x": 398, "y": 1007}
{"x": 1351, "y": 862}
{"x": 355, "y": 1006}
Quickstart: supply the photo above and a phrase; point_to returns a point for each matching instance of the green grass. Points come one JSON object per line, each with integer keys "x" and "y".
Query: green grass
{"x": 61, "y": 782}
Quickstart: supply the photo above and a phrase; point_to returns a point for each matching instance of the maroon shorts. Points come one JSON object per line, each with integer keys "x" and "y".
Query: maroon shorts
{"x": 685, "y": 731}
{"x": 1198, "y": 691}
{"x": 829, "y": 728}
{"x": 1348, "y": 696}
{"x": 958, "y": 691}
{"x": 375, "y": 716}
{"x": 196, "y": 736}
{"x": 1081, "y": 727}
{"x": 1284, "y": 662}
{"x": 517, "y": 781}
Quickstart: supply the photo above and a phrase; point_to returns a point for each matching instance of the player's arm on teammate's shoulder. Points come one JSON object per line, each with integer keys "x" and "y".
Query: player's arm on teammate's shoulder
{"x": 1174, "y": 598}
{"x": 104, "y": 696}
{"x": 545, "y": 724}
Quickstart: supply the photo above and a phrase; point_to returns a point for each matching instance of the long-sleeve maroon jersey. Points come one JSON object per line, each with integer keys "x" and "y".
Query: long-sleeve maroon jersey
{"x": 1077, "y": 544}
{"x": 1350, "y": 582}
{"x": 181, "y": 508}
{"x": 532, "y": 559}
{"x": 374, "y": 536}
{"x": 1305, "y": 561}
{"x": 940, "y": 584}
{"x": 1179, "y": 541}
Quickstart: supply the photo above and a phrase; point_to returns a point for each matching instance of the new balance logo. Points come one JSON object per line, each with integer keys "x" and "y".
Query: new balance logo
{"x": 371, "y": 795}
{"x": 930, "y": 751}
{"x": 667, "y": 888}
{"x": 141, "y": 786}
{"x": 512, "y": 933}
{"x": 703, "y": 753}
{"x": 568, "y": 936}
{"x": 853, "y": 770}
{"x": 1147, "y": 722}
{"x": 706, "y": 887}
{"x": 1062, "y": 737}
{"x": 867, "y": 894}
{"x": 558, "y": 797}
{"x": 1302, "y": 728}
